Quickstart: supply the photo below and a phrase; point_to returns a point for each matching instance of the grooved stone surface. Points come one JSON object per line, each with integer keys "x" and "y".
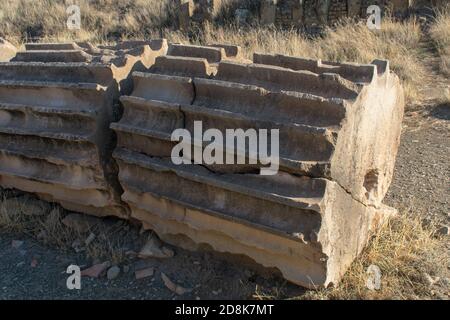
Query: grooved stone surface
{"x": 339, "y": 134}
{"x": 56, "y": 104}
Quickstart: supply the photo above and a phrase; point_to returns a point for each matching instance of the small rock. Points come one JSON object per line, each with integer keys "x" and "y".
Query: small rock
{"x": 16, "y": 244}
{"x": 96, "y": 270}
{"x": 154, "y": 249}
{"x": 34, "y": 263}
{"x": 443, "y": 231}
{"x": 80, "y": 222}
{"x": 126, "y": 269}
{"x": 113, "y": 272}
{"x": 144, "y": 273}
{"x": 7, "y": 51}
{"x": 173, "y": 286}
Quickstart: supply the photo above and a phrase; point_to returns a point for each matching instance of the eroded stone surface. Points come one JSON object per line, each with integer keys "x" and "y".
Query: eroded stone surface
{"x": 7, "y": 50}
{"x": 56, "y": 104}
{"x": 339, "y": 133}
{"x": 287, "y": 13}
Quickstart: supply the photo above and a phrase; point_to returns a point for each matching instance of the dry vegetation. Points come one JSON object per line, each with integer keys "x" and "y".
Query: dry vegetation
{"x": 17, "y": 215}
{"x": 408, "y": 253}
{"x": 397, "y": 41}
{"x": 108, "y": 20}
{"x": 441, "y": 35}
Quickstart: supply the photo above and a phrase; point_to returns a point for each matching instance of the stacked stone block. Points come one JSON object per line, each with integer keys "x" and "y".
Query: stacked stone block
{"x": 339, "y": 130}
{"x": 56, "y": 104}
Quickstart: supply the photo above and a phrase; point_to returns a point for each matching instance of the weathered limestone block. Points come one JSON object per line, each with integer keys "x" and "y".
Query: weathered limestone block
{"x": 185, "y": 13}
{"x": 213, "y": 53}
{"x": 56, "y": 104}
{"x": 268, "y": 12}
{"x": 339, "y": 132}
{"x": 368, "y": 136}
{"x": 7, "y": 50}
{"x": 198, "y": 11}
{"x": 354, "y": 8}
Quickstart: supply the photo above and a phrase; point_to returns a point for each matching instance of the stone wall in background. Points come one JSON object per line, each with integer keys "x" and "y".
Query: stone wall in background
{"x": 286, "y": 13}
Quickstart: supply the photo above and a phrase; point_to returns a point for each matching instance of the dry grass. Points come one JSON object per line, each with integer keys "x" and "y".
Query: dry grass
{"x": 406, "y": 252}
{"x": 398, "y": 42}
{"x": 108, "y": 20}
{"x": 404, "y": 249}
{"x": 101, "y": 20}
{"x": 441, "y": 35}
{"x": 15, "y": 218}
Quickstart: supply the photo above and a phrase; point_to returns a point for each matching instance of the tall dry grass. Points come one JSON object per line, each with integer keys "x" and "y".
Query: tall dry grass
{"x": 413, "y": 262}
{"x": 110, "y": 20}
{"x": 408, "y": 254}
{"x": 101, "y": 20}
{"x": 17, "y": 216}
{"x": 398, "y": 42}
{"x": 441, "y": 35}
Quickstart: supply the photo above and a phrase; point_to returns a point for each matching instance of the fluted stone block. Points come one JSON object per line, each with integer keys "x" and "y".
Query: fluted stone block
{"x": 56, "y": 104}
{"x": 339, "y": 130}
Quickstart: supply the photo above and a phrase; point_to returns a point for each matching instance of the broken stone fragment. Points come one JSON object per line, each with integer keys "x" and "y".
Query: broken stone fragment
{"x": 96, "y": 270}
{"x": 7, "y": 50}
{"x": 179, "y": 290}
{"x": 144, "y": 273}
{"x": 443, "y": 230}
{"x": 154, "y": 248}
{"x": 16, "y": 244}
{"x": 113, "y": 272}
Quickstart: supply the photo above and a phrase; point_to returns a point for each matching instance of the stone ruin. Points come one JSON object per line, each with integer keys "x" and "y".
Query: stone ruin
{"x": 7, "y": 51}
{"x": 56, "y": 104}
{"x": 288, "y": 13}
{"x": 339, "y": 129}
